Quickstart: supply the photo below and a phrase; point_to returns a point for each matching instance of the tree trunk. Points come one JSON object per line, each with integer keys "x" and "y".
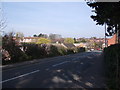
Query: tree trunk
{"x": 118, "y": 30}
{"x": 117, "y": 58}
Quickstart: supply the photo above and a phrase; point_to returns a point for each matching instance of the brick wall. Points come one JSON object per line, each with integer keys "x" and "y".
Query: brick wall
{"x": 112, "y": 40}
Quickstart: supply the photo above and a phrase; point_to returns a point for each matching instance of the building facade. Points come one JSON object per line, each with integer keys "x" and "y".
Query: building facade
{"x": 112, "y": 40}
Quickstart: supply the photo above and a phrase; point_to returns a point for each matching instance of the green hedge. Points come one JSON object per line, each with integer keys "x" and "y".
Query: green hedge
{"x": 32, "y": 51}
{"x": 35, "y": 51}
{"x": 111, "y": 55}
{"x": 53, "y": 51}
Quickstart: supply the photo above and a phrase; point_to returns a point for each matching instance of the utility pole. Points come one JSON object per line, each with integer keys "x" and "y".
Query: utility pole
{"x": 105, "y": 36}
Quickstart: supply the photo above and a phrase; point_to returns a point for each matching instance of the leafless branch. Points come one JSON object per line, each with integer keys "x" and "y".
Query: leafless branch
{"x": 2, "y": 20}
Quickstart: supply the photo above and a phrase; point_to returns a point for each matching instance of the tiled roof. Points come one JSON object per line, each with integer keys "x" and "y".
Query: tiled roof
{"x": 31, "y": 37}
{"x": 69, "y": 45}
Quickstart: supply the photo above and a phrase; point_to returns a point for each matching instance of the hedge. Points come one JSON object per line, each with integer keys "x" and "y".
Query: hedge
{"x": 112, "y": 62}
{"x": 32, "y": 51}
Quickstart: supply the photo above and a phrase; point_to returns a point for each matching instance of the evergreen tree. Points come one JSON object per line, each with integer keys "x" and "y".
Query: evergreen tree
{"x": 107, "y": 13}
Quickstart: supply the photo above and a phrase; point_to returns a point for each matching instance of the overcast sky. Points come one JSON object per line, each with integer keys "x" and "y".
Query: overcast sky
{"x": 69, "y": 19}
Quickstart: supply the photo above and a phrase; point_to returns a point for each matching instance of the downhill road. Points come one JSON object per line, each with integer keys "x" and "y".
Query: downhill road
{"x": 81, "y": 70}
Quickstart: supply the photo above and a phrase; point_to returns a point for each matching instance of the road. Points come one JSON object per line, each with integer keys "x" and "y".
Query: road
{"x": 81, "y": 70}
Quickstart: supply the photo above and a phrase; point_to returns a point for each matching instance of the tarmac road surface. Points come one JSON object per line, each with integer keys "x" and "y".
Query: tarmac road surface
{"x": 81, "y": 70}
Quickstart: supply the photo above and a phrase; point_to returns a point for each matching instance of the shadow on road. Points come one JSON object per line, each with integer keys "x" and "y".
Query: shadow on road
{"x": 88, "y": 72}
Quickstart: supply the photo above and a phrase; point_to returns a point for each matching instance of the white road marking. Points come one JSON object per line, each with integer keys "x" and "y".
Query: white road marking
{"x": 20, "y": 76}
{"x": 59, "y": 64}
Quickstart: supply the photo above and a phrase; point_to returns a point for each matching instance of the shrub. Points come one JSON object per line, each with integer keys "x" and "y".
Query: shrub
{"x": 69, "y": 40}
{"x": 111, "y": 55}
{"x": 62, "y": 50}
{"x": 15, "y": 53}
{"x": 35, "y": 50}
{"x": 54, "y": 51}
{"x": 81, "y": 49}
{"x": 43, "y": 41}
{"x": 29, "y": 51}
{"x": 70, "y": 51}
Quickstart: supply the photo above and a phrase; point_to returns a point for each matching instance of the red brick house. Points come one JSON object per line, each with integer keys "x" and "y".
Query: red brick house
{"x": 112, "y": 40}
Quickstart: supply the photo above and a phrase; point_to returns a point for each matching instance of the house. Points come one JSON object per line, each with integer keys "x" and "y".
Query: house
{"x": 29, "y": 39}
{"x": 68, "y": 45}
{"x": 77, "y": 44}
{"x": 80, "y": 44}
{"x": 112, "y": 40}
{"x": 61, "y": 40}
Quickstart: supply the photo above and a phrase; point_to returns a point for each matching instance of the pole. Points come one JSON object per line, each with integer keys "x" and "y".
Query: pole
{"x": 105, "y": 36}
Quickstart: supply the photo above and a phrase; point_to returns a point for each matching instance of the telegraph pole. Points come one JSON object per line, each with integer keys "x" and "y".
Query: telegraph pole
{"x": 105, "y": 36}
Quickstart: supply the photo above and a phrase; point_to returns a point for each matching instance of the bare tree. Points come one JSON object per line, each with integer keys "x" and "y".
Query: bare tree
{"x": 2, "y": 18}
{"x": 55, "y": 36}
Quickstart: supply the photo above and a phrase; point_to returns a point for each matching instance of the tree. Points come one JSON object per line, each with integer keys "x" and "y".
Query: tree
{"x": 75, "y": 41}
{"x": 83, "y": 40}
{"x": 69, "y": 40}
{"x": 41, "y": 35}
{"x": 10, "y": 45}
{"x": 43, "y": 41}
{"x": 93, "y": 38}
{"x": 35, "y": 35}
{"x": 2, "y": 19}
{"x": 107, "y": 13}
{"x": 54, "y": 36}
{"x": 45, "y": 36}
{"x": 19, "y": 35}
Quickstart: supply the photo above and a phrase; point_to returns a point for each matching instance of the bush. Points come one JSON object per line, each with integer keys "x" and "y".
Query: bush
{"x": 70, "y": 51}
{"x": 54, "y": 51}
{"x": 69, "y": 40}
{"x": 43, "y": 41}
{"x": 81, "y": 49}
{"x": 111, "y": 55}
{"x": 35, "y": 51}
{"x": 15, "y": 54}
{"x": 29, "y": 51}
{"x": 62, "y": 50}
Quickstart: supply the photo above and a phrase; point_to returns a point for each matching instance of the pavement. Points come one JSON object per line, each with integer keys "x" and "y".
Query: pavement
{"x": 81, "y": 70}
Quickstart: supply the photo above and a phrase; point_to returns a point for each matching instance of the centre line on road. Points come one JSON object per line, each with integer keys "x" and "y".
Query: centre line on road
{"x": 20, "y": 76}
{"x": 59, "y": 64}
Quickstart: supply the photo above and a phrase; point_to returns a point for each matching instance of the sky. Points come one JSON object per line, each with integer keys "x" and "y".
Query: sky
{"x": 69, "y": 19}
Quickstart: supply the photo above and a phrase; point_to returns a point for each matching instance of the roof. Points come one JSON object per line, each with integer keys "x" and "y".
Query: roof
{"x": 31, "y": 37}
{"x": 69, "y": 45}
